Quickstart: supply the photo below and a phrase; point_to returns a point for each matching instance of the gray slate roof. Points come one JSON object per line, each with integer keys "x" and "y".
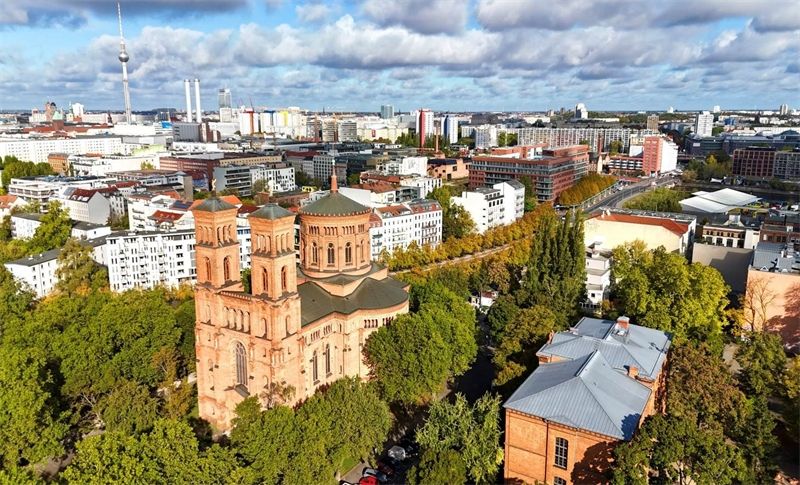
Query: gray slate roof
{"x": 272, "y": 211}
{"x": 214, "y": 204}
{"x": 585, "y": 393}
{"x": 334, "y": 204}
{"x": 642, "y": 347}
{"x": 371, "y": 294}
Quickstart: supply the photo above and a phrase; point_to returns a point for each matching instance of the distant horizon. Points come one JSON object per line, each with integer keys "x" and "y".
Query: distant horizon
{"x": 480, "y": 55}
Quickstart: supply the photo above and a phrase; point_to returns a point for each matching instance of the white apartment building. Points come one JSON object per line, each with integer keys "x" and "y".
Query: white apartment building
{"x": 38, "y": 272}
{"x": 405, "y": 166}
{"x": 37, "y": 149}
{"x": 598, "y": 277}
{"x": 398, "y": 226}
{"x": 278, "y": 177}
{"x": 146, "y": 259}
{"x": 503, "y": 204}
{"x": 23, "y": 226}
{"x": 41, "y": 189}
{"x": 85, "y": 205}
{"x": 103, "y": 166}
{"x": 485, "y": 136}
{"x": 150, "y": 213}
{"x": 9, "y": 203}
{"x": 484, "y": 205}
{"x": 704, "y": 124}
{"x": 425, "y": 184}
{"x": 598, "y": 138}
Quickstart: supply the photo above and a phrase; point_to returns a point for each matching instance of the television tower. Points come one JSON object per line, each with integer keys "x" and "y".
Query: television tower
{"x": 124, "y": 58}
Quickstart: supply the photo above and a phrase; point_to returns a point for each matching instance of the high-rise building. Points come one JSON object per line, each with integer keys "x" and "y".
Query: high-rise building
{"x": 424, "y": 125}
{"x": 387, "y": 111}
{"x": 659, "y": 155}
{"x": 581, "y": 113}
{"x": 784, "y": 110}
{"x": 704, "y": 124}
{"x": 670, "y": 110}
{"x": 716, "y": 109}
{"x": 224, "y": 96}
{"x": 652, "y": 122}
{"x": 450, "y": 125}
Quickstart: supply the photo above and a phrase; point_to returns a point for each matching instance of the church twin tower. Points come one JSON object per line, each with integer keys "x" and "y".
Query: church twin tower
{"x": 299, "y": 327}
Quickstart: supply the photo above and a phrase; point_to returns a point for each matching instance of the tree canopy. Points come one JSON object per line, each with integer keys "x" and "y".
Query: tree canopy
{"x": 660, "y": 199}
{"x": 588, "y": 186}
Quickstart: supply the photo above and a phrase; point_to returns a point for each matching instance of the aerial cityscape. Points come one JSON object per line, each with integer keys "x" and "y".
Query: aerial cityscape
{"x": 389, "y": 242}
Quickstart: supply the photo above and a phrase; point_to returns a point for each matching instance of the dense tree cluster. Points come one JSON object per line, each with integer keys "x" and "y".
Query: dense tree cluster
{"x": 413, "y": 357}
{"x": 662, "y": 290}
{"x": 713, "y": 432}
{"x": 461, "y": 439}
{"x": 456, "y": 221}
{"x": 661, "y": 199}
{"x": 332, "y": 429}
{"x": 717, "y": 165}
{"x": 416, "y": 256}
{"x": 12, "y": 167}
{"x": 589, "y": 186}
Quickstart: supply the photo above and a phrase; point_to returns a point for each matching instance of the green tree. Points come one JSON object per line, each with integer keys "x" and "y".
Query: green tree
{"x": 763, "y": 360}
{"x": 456, "y": 221}
{"x": 15, "y": 168}
{"x": 446, "y": 466}
{"x": 516, "y": 353}
{"x": 54, "y": 230}
{"x": 77, "y": 272}
{"x": 170, "y": 453}
{"x": 556, "y": 267}
{"x": 259, "y": 186}
{"x": 128, "y": 408}
{"x": 791, "y": 394}
{"x": 660, "y": 199}
{"x": 615, "y": 147}
{"x": 246, "y": 280}
{"x": 409, "y": 359}
{"x": 353, "y": 179}
{"x": 31, "y": 427}
{"x": 14, "y": 300}
{"x": 264, "y": 440}
{"x": 472, "y": 431}
{"x": 757, "y": 442}
{"x": 530, "y": 193}
{"x": 501, "y": 313}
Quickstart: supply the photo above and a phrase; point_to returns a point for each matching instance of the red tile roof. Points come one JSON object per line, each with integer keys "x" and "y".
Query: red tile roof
{"x": 163, "y": 216}
{"x": 675, "y": 227}
{"x": 7, "y": 200}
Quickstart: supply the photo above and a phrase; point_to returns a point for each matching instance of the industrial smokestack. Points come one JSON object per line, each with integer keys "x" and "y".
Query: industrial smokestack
{"x": 197, "y": 100}
{"x": 188, "y": 100}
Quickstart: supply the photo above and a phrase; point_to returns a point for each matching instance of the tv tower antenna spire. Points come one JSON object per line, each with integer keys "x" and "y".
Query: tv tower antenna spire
{"x": 124, "y": 58}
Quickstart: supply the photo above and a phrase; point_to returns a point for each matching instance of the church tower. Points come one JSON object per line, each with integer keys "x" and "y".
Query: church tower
{"x": 216, "y": 248}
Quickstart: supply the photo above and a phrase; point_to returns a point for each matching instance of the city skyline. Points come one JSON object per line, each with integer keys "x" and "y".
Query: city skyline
{"x": 447, "y": 55}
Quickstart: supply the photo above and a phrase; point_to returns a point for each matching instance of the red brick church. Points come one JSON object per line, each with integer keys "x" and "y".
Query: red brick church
{"x": 302, "y": 325}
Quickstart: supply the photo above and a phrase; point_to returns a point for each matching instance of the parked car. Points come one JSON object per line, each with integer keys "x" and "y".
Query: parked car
{"x": 386, "y": 467}
{"x": 397, "y": 453}
{"x": 372, "y": 472}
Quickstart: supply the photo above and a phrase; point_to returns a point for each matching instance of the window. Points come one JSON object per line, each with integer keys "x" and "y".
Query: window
{"x": 314, "y": 370}
{"x": 207, "y": 263}
{"x": 327, "y": 360}
{"x": 559, "y": 481}
{"x": 348, "y": 253}
{"x": 226, "y": 266}
{"x": 314, "y": 253}
{"x": 562, "y": 447}
{"x": 331, "y": 255}
{"x": 241, "y": 365}
{"x": 265, "y": 280}
{"x": 284, "y": 280}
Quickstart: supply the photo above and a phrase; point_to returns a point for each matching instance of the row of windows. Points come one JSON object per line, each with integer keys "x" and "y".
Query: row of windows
{"x": 331, "y": 254}
{"x": 333, "y": 230}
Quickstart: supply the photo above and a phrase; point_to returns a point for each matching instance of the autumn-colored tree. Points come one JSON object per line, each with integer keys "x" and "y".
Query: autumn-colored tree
{"x": 756, "y": 302}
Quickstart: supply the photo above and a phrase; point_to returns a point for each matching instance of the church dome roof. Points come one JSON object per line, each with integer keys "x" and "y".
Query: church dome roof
{"x": 271, "y": 211}
{"x": 214, "y": 204}
{"x": 334, "y": 204}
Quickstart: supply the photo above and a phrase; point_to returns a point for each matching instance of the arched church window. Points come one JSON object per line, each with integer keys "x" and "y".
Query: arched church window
{"x": 207, "y": 265}
{"x": 284, "y": 280}
{"x": 226, "y": 267}
{"x": 314, "y": 369}
{"x": 327, "y": 360}
{"x": 331, "y": 255}
{"x": 241, "y": 365}
{"x": 265, "y": 280}
{"x": 348, "y": 253}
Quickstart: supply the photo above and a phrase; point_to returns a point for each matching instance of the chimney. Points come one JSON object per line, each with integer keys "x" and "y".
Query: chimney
{"x": 197, "y": 100}
{"x": 633, "y": 371}
{"x": 188, "y": 100}
{"x": 623, "y": 322}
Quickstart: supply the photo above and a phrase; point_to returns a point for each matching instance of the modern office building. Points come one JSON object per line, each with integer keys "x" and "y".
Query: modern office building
{"x": 704, "y": 124}
{"x": 387, "y": 111}
{"x": 556, "y": 171}
{"x": 754, "y": 162}
{"x": 224, "y": 98}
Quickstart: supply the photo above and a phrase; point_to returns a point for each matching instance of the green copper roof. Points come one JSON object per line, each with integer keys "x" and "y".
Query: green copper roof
{"x": 371, "y": 294}
{"x": 334, "y": 204}
{"x": 214, "y": 204}
{"x": 271, "y": 211}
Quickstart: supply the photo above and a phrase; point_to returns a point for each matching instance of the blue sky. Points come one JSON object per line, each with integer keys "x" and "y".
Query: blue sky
{"x": 442, "y": 54}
